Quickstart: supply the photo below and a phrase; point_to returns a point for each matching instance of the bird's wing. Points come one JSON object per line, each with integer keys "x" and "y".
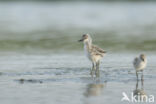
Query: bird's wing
{"x": 98, "y": 49}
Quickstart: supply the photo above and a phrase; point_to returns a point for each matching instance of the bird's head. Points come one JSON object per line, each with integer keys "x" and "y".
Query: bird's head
{"x": 142, "y": 57}
{"x": 85, "y": 38}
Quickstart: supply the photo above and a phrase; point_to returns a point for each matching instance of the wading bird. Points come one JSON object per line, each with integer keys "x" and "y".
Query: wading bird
{"x": 139, "y": 64}
{"x": 93, "y": 53}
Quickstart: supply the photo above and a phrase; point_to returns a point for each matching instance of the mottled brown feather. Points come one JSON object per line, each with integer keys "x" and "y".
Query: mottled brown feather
{"x": 97, "y": 51}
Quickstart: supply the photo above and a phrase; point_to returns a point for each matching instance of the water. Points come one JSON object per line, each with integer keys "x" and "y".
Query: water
{"x": 41, "y": 61}
{"x": 64, "y": 78}
{"x": 58, "y": 25}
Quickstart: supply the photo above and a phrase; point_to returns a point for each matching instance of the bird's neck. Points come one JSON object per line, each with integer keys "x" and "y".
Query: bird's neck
{"x": 88, "y": 44}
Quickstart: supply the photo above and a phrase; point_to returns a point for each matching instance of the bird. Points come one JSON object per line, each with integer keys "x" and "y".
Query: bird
{"x": 139, "y": 64}
{"x": 93, "y": 53}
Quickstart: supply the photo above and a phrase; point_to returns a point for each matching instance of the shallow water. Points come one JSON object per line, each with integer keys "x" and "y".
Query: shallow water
{"x": 65, "y": 79}
{"x": 32, "y": 73}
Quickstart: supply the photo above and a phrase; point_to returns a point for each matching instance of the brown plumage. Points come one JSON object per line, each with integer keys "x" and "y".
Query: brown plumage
{"x": 98, "y": 51}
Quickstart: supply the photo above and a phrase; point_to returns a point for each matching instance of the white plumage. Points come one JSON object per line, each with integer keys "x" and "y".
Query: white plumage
{"x": 140, "y": 63}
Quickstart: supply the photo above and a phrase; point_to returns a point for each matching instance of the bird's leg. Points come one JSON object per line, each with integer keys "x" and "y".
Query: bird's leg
{"x": 142, "y": 80}
{"x": 137, "y": 75}
{"x": 142, "y": 76}
{"x": 92, "y": 69}
{"x": 97, "y": 69}
{"x": 137, "y": 85}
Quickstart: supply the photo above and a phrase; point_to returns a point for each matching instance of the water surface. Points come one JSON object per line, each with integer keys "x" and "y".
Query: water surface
{"x": 56, "y": 78}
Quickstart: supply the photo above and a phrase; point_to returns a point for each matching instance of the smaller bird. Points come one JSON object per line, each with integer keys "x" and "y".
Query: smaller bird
{"x": 93, "y": 53}
{"x": 139, "y": 64}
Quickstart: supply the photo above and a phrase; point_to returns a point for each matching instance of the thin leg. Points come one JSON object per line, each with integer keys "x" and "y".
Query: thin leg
{"x": 142, "y": 84}
{"x": 97, "y": 69}
{"x": 137, "y": 75}
{"x": 137, "y": 84}
{"x": 92, "y": 69}
{"x": 142, "y": 81}
{"x": 142, "y": 76}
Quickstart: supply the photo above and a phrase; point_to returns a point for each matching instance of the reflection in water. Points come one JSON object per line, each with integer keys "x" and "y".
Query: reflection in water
{"x": 94, "y": 91}
{"x": 139, "y": 92}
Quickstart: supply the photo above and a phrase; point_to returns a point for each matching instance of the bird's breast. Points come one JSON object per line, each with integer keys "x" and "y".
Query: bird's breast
{"x": 87, "y": 53}
{"x": 139, "y": 64}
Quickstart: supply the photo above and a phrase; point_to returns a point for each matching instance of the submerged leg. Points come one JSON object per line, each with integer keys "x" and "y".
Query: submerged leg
{"x": 97, "y": 69}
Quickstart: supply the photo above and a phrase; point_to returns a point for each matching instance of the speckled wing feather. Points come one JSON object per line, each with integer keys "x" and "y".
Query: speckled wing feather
{"x": 97, "y": 50}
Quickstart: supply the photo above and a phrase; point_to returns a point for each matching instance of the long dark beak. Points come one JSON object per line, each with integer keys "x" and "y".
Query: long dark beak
{"x": 80, "y": 40}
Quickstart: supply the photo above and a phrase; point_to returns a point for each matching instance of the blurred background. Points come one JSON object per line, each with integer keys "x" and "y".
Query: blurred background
{"x": 41, "y": 60}
{"x": 56, "y": 25}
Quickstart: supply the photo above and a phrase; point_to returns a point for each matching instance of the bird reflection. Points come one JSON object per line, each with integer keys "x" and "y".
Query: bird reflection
{"x": 95, "y": 89}
{"x": 139, "y": 92}
{"x": 94, "y": 92}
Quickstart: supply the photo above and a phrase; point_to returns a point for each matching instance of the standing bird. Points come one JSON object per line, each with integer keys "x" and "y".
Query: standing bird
{"x": 139, "y": 64}
{"x": 93, "y": 53}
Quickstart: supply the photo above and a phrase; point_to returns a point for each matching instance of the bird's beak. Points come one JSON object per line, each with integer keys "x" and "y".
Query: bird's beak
{"x": 80, "y": 40}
